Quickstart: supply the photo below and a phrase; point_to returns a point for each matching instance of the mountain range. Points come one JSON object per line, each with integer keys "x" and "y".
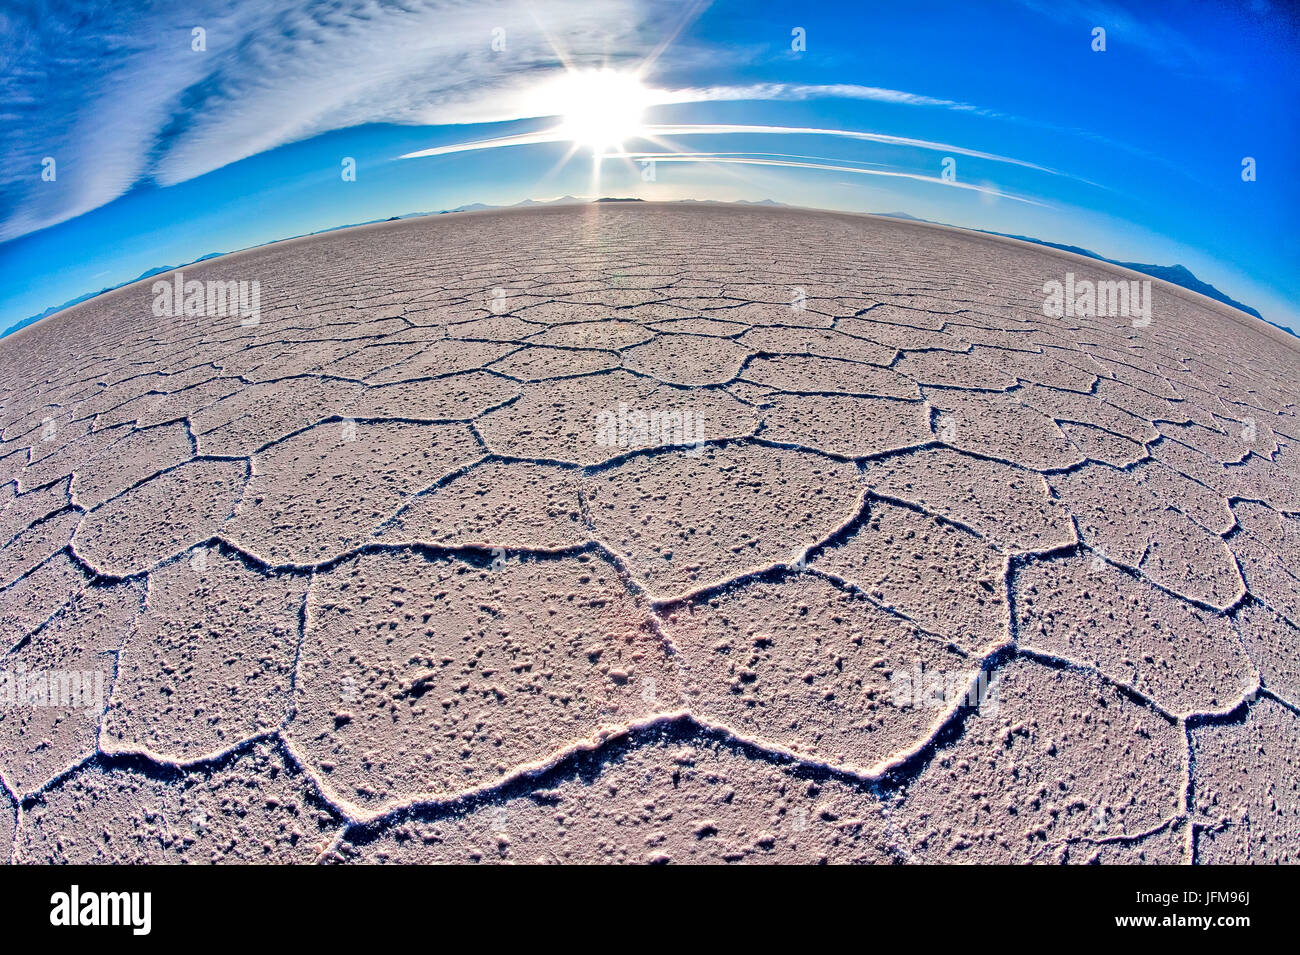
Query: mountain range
{"x": 1179, "y": 275}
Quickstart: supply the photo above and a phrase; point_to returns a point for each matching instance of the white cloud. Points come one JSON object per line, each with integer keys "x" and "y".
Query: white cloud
{"x": 123, "y": 98}
{"x": 799, "y": 91}
{"x": 656, "y": 132}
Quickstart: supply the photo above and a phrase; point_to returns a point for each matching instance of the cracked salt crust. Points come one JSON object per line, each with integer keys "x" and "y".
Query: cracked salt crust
{"x": 376, "y": 580}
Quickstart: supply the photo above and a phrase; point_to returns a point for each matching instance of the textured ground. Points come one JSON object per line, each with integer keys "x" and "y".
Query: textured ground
{"x": 608, "y": 533}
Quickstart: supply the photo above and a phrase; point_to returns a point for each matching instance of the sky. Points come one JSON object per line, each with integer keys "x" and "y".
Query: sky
{"x": 147, "y": 134}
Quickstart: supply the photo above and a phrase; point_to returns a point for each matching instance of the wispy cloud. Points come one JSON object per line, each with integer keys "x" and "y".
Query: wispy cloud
{"x": 1142, "y": 29}
{"x": 805, "y": 91}
{"x": 824, "y": 165}
{"x": 652, "y": 131}
{"x": 861, "y": 135}
{"x": 117, "y": 96}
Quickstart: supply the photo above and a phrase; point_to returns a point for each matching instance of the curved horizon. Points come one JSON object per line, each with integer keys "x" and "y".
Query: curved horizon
{"x": 161, "y": 152}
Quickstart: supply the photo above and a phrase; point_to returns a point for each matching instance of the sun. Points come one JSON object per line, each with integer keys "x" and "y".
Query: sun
{"x": 600, "y": 109}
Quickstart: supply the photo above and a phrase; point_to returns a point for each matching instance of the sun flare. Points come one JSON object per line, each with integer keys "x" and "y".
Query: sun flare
{"x": 601, "y": 109}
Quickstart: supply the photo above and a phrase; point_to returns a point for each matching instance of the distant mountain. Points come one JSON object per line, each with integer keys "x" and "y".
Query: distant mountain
{"x": 608, "y": 199}
{"x": 562, "y": 201}
{"x": 108, "y": 288}
{"x": 1174, "y": 274}
{"x": 52, "y": 309}
{"x": 1181, "y": 275}
{"x": 523, "y": 204}
{"x": 152, "y": 272}
{"x": 737, "y": 202}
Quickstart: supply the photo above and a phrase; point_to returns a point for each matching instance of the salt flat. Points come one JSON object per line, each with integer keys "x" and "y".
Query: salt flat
{"x": 650, "y": 533}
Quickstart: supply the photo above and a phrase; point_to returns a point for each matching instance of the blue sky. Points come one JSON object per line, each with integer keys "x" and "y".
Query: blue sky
{"x": 164, "y": 154}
